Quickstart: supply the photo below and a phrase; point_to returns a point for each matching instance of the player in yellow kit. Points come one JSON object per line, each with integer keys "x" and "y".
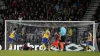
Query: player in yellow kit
{"x": 89, "y": 41}
{"x": 45, "y": 40}
{"x": 11, "y": 37}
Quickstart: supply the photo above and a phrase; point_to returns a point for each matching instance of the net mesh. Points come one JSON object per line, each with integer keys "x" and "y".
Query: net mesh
{"x": 32, "y": 31}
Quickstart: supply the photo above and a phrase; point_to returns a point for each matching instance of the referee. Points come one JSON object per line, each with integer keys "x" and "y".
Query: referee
{"x": 63, "y": 37}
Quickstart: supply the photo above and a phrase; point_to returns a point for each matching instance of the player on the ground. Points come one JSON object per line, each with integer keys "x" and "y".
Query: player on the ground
{"x": 63, "y": 32}
{"x": 25, "y": 47}
{"x": 56, "y": 42}
{"x": 45, "y": 40}
{"x": 89, "y": 41}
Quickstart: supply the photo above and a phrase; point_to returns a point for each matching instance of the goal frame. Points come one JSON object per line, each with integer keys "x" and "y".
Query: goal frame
{"x": 94, "y": 30}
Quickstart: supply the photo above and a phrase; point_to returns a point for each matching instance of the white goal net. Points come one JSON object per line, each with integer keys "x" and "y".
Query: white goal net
{"x": 80, "y": 35}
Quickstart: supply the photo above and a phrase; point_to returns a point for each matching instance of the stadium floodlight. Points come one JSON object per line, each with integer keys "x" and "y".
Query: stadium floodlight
{"x": 53, "y": 24}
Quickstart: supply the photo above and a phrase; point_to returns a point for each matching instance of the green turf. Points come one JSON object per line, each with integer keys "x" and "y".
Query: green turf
{"x": 47, "y": 53}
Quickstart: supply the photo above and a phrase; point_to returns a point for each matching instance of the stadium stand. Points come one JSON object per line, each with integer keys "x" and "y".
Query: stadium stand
{"x": 45, "y": 9}
{"x": 96, "y": 16}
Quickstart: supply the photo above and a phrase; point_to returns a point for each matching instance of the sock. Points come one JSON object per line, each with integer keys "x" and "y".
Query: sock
{"x": 90, "y": 48}
{"x": 10, "y": 46}
{"x": 86, "y": 48}
{"x": 48, "y": 48}
{"x": 61, "y": 46}
{"x": 43, "y": 46}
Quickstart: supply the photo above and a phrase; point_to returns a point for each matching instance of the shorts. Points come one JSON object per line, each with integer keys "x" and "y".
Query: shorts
{"x": 10, "y": 40}
{"x": 17, "y": 37}
{"x": 89, "y": 43}
{"x": 45, "y": 40}
{"x": 62, "y": 39}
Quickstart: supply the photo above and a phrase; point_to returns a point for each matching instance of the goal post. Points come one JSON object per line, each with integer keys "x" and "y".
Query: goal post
{"x": 77, "y": 40}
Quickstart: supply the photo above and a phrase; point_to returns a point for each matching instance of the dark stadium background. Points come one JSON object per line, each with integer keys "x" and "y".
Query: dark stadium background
{"x": 52, "y": 10}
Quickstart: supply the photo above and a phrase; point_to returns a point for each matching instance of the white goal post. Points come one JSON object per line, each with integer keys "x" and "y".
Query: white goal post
{"x": 27, "y": 21}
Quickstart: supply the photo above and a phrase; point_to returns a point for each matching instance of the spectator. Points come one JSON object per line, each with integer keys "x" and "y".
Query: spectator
{"x": 65, "y": 11}
{"x": 48, "y": 8}
{"x": 78, "y": 3}
{"x": 22, "y": 14}
{"x": 14, "y": 3}
{"x": 20, "y": 18}
{"x": 57, "y": 7}
{"x": 49, "y": 12}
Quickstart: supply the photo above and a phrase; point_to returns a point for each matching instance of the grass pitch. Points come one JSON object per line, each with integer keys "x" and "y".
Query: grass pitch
{"x": 47, "y": 53}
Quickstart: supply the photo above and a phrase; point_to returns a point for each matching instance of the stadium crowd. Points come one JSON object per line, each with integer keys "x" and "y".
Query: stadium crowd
{"x": 45, "y": 9}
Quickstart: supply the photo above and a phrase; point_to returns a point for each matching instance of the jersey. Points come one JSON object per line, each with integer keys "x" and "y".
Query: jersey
{"x": 45, "y": 38}
{"x": 70, "y": 32}
{"x": 58, "y": 36}
{"x": 89, "y": 40}
{"x": 63, "y": 31}
{"x": 90, "y": 36}
{"x": 12, "y": 35}
{"x": 46, "y": 34}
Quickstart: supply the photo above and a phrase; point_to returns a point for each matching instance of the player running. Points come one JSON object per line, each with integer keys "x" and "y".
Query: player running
{"x": 45, "y": 40}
